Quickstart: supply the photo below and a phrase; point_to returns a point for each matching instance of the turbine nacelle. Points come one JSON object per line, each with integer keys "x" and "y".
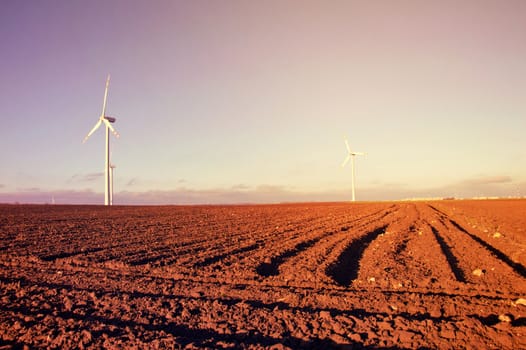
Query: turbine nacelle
{"x": 107, "y": 122}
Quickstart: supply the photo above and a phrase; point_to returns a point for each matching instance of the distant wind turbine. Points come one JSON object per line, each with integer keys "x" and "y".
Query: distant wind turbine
{"x": 350, "y": 156}
{"x": 112, "y": 167}
{"x": 107, "y": 122}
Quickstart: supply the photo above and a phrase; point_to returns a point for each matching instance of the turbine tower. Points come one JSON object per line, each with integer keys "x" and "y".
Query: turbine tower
{"x": 107, "y": 122}
{"x": 350, "y": 156}
{"x": 112, "y": 168}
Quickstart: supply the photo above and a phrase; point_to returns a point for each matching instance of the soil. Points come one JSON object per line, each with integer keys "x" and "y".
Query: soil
{"x": 439, "y": 275}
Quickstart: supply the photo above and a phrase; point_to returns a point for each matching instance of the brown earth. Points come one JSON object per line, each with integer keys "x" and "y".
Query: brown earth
{"x": 443, "y": 274}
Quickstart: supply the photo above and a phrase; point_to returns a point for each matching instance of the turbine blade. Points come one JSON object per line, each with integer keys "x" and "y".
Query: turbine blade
{"x": 346, "y": 160}
{"x": 109, "y": 126}
{"x": 92, "y": 130}
{"x": 347, "y": 145}
{"x": 358, "y": 153}
{"x": 105, "y": 96}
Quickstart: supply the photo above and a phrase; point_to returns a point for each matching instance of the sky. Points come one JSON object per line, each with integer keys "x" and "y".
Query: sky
{"x": 250, "y": 101}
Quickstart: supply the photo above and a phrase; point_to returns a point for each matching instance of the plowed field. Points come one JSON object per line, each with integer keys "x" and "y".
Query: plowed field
{"x": 444, "y": 274}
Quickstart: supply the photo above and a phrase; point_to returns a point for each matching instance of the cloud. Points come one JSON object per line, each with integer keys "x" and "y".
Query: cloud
{"x": 240, "y": 187}
{"x": 235, "y": 195}
{"x": 487, "y": 186}
{"x": 496, "y": 186}
{"x": 28, "y": 189}
{"x": 485, "y": 180}
{"x": 61, "y": 197}
{"x": 482, "y": 186}
{"x": 145, "y": 183}
{"x": 86, "y": 177}
{"x": 271, "y": 189}
{"x": 132, "y": 182}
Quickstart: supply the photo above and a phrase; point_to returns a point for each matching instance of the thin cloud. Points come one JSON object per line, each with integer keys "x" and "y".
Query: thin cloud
{"x": 132, "y": 182}
{"x": 2, "y": 185}
{"x": 28, "y": 189}
{"x": 60, "y": 197}
{"x": 86, "y": 177}
{"x": 484, "y": 186}
{"x": 92, "y": 177}
{"x": 242, "y": 194}
{"x": 136, "y": 181}
{"x": 486, "y": 180}
{"x": 271, "y": 189}
{"x": 240, "y": 187}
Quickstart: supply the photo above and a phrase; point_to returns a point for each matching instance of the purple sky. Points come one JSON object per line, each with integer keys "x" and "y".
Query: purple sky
{"x": 249, "y": 101}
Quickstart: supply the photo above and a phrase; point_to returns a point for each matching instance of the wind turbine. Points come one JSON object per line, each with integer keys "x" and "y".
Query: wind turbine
{"x": 350, "y": 156}
{"x": 107, "y": 122}
{"x": 112, "y": 167}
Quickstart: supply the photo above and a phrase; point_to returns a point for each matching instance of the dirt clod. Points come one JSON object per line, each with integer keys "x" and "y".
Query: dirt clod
{"x": 477, "y": 272}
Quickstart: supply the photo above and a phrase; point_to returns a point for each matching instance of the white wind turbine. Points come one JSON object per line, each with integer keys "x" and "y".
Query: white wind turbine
{"x": 350, "y": 156}
{"x": 107, "y": 122}
{"x": 112, "y": 168}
